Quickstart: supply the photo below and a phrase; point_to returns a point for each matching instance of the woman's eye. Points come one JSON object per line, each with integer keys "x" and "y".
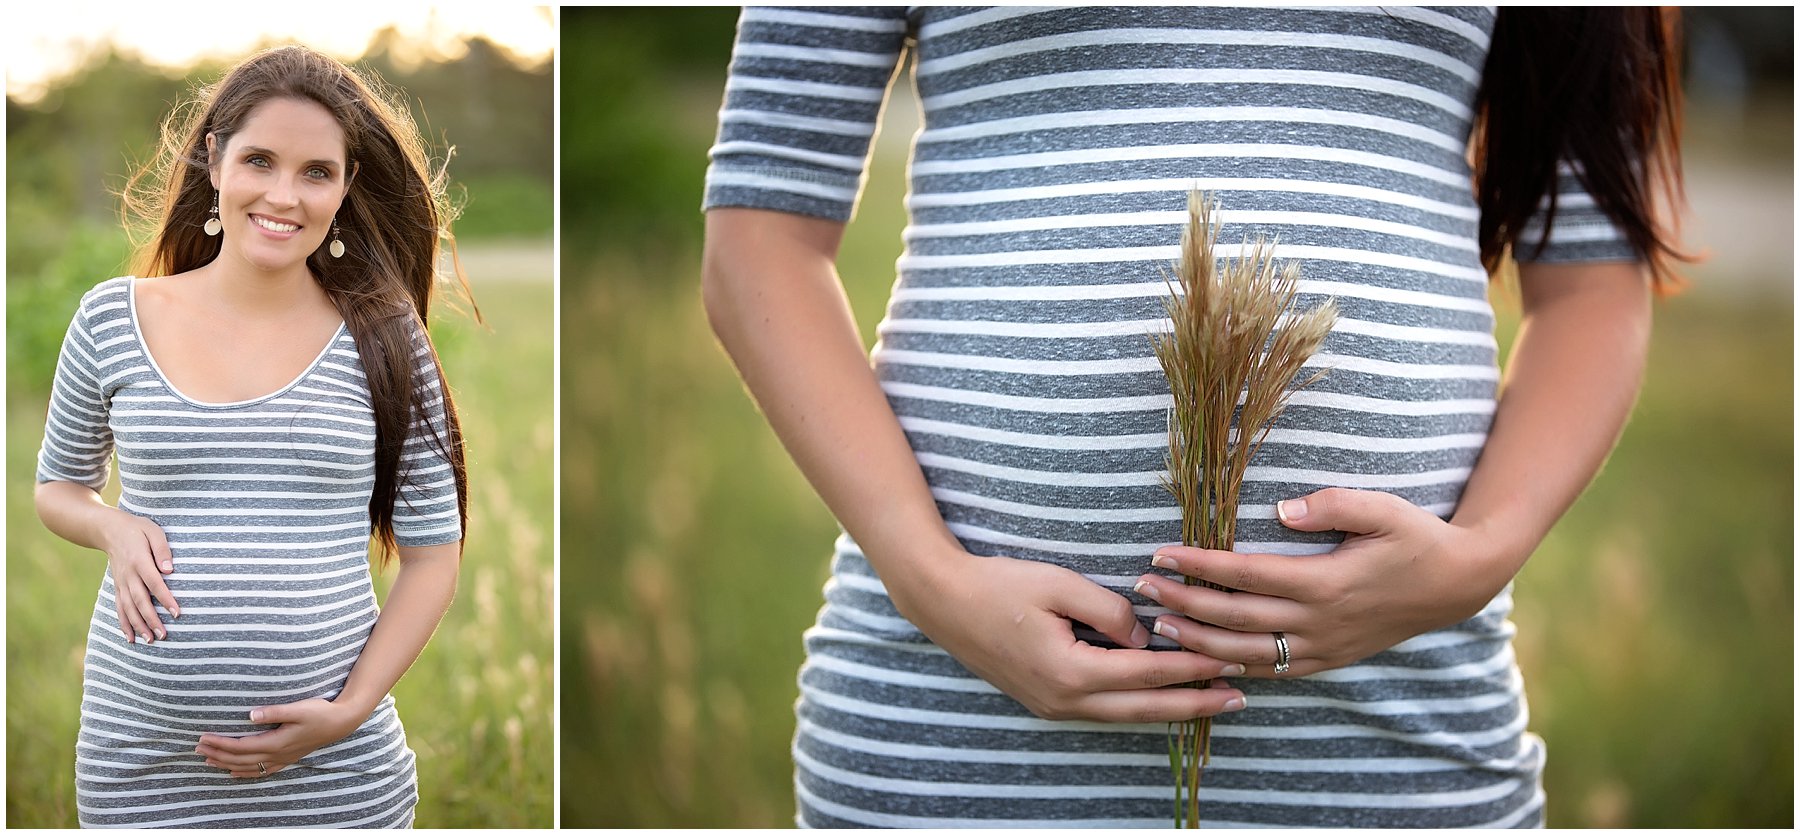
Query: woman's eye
{"x": 258, "y": 161}
{"x": 318, "y": 173}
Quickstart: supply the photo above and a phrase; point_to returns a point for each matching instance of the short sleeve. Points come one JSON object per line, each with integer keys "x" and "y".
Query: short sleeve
{"x": 1579, "y": 231}
{"x": 425, "y": 503}
{"x": 801, "y": 106}
{"x": 78, "y": 441}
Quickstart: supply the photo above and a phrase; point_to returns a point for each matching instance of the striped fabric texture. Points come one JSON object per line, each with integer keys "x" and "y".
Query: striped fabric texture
{"x": 1047, "y": 189}
{"x": 265, "y": 505}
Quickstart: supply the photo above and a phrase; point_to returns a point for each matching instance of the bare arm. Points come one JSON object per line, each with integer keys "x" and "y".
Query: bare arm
{"x": 416, "y": 603}
{"x": 773, "y": 297}
{"x": 1574, "y": 373}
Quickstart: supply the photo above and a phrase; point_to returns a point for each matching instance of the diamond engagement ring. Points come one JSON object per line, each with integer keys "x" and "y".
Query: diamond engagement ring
{"x": 1281, "y": 653}
{"x": 262, "y": 769}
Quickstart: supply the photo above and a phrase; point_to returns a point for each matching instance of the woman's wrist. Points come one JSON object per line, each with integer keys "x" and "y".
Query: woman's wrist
{"x": 924, "y": 576}
{"x": 1492, "y": 553}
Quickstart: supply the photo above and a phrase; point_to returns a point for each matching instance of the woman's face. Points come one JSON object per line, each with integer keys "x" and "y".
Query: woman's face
{"x": 281, "y": 178}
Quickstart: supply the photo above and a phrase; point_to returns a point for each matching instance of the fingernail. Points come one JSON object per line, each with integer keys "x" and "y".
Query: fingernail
{"x": 1139, "y": 638}
{"x": 168, "y": 566}
{"x": 1144, "y": 588}
{"x": 1232, "y": 670}
{"x": 1161, "y": 561}
{"x": 1233, "y": 705}
{"x": 1291, "y": 511}
{"x": 1168, "y": 631}
{"x": 160, "y": 634}
{"x": 256, "y": 716}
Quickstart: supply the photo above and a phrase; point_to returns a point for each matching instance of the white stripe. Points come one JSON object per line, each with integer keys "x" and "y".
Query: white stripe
{"x": 1177, "y": 219}
{"x": 1156, "y": 402}
{"x": 795, "y": 121}
{"x": 1160, "y": 290}
{"x": 1458, "y": 179}
{"x": 1182, "y": 185}
{"x": 1143, "y": 365}
{"x": 852, "y": 165}
{"x": 1087, "y": 119}
{"x": 812, "y": 89}
{"x": 1117, "y": 549}
{"x": 1136, "y": 37}
{"x": 1158, "y": 76}
{"x": 812, "y": 54}
{"x": 793, "y": 17}
{"x": 1456, "y": 26}
{"x": 730, "y": 177}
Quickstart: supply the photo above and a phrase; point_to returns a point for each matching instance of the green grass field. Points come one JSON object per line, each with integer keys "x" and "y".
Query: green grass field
{"x": 477, "y": 705}
{"x": 1656, "y": 623}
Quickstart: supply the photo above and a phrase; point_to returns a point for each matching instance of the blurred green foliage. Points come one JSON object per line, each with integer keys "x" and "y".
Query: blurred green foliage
{"x": 639, "y": 98}
{"x": 38, "y": 311}
{"x": 1655, "y": 623}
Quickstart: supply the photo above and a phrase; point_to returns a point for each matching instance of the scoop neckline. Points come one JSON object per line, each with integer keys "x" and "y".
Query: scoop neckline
{"x": 137, "y": 332}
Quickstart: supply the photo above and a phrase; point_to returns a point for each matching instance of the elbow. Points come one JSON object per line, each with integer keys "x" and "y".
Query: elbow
{"x": 717, "y": 294}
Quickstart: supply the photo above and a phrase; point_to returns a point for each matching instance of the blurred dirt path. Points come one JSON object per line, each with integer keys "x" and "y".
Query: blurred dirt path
{"x": 1742, "y": 216}
{"x": 490, "y": 262}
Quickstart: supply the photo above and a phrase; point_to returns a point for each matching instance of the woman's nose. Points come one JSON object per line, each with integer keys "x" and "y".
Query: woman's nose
{"x": 282, "y": 192}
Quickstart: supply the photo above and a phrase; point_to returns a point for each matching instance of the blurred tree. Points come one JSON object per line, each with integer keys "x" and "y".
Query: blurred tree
{"x": 632, "y": 163}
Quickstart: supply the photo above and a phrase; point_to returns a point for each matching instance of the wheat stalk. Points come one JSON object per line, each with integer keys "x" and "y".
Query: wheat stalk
{"x": 1230, "y": 339}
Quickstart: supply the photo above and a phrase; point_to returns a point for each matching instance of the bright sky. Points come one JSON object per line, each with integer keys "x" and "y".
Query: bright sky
{"x": 53, "y": 38}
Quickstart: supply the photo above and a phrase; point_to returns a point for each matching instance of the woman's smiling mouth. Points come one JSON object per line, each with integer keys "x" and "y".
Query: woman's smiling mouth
{"x": 279, "y": 227}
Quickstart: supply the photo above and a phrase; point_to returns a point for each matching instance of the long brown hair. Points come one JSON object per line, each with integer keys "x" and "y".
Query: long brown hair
{"x": 393, "y": 215}
{"x": 1596, "y": 87}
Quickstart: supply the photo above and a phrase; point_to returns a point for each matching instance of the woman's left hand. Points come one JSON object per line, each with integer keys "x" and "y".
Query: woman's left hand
{"x": 1400, "y": 572}
{"x": 305, "y": 727}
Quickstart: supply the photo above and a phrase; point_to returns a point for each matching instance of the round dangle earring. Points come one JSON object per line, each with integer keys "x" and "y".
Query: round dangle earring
{"x": 212, "y": 225}
{"x": 337, "y": 244}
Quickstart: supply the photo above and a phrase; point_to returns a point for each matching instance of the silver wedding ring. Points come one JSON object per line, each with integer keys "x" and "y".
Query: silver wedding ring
{"x": 1281, "y": 653}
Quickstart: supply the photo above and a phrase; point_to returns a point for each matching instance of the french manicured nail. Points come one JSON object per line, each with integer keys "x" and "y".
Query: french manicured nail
{"x": 1291, "y": 511}
{"x": 1168, "y": 631}
{"x": 256, "y": 716}
{"x": 1234, "y": 704}
{"x": 161, "y": 634}
{"x": 1144, "y": 588}
{"x": 168, "y": 566}
{"x": 1233, "y": 670}
{"x": 1139, "y": 638}
{"x": 1161, "y": 561}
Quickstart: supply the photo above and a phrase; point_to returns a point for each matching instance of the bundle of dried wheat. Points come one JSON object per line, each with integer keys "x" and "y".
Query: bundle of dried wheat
{"x": 1230, "y": 339}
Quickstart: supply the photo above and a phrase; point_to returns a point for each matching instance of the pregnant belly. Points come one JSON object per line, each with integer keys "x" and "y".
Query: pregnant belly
{"x": 254, "y": 630}
{"x": 1059, "y": 455}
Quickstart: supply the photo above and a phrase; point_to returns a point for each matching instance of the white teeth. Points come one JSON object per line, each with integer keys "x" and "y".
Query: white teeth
{"x": 275, "y": 227}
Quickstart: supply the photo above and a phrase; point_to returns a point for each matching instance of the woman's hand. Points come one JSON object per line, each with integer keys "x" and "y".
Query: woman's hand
{"x": 1401, "y": 572}
{"x": 305, "y": 727}
{"x": 137, "y": 553}
{"x": 1009, "y": 621}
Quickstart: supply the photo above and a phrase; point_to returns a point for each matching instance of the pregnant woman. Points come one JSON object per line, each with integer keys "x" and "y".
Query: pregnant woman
{"x": 988, "y": 652}
{"x": 275, "y": 405}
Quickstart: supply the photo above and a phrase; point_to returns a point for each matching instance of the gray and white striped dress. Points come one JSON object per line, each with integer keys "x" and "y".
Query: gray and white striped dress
{"x": 265, "y": 503}
{"x": 1047, "y": 188}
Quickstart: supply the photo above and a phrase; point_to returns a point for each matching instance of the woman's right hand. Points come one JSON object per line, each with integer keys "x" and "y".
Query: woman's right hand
{"x": 1010, "y": 622}
{"x": 138, "y": 555}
